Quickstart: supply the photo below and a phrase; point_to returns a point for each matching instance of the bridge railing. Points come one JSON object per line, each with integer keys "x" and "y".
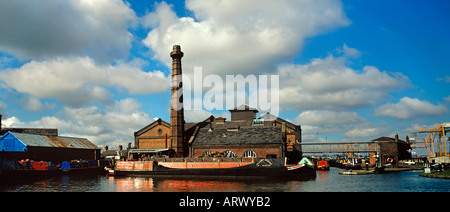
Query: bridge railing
{"x": 340, "y": 147}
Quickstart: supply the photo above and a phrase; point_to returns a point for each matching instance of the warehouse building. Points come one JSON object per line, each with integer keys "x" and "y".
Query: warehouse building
{"x": 46, "y": 148}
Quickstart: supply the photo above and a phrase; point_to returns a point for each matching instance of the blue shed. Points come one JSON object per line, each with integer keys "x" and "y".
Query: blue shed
{"x": 10, "y": 143}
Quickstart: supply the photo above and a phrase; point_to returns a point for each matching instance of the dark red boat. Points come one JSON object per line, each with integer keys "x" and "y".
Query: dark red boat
{"x": 257, "y": 168}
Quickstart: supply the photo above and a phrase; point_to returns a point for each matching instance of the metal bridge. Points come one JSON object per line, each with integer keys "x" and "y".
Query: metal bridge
{"x": 340, "y": 147}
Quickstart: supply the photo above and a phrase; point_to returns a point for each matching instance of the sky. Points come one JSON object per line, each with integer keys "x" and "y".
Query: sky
{"x": 348, "y": 70}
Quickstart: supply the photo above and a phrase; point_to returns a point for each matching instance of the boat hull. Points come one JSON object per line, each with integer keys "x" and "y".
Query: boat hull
{"x": 323, "y": 168}
{"x": 299, "y": 172}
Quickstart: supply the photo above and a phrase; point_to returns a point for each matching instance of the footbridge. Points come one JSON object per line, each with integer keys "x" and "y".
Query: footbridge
{"x": 340, "y": 147}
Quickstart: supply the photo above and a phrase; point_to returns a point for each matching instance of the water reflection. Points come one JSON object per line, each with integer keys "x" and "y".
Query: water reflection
{"x": 322, "y": 175}
{"x": 325, "y": 181}
{"x": 124, "y": 184}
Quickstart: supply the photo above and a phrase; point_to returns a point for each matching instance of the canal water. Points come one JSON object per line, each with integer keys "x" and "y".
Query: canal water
{"x": 326, "y": 181}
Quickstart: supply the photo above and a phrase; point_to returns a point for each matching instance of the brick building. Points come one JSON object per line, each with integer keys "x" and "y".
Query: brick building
{"x": 392, "y": 150}
{"x": 243, "y": 136}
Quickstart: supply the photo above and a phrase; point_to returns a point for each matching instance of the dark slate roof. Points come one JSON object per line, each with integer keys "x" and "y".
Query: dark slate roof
{"x": 238, "y": 136}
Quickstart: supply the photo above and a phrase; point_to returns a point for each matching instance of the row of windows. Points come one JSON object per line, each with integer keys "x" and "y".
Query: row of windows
{"x": 230, "y": 153}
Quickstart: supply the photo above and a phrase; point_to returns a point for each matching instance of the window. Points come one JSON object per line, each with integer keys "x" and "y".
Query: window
{"x": 249, "y": 154}
{"x": 160, "y": 131}
{"x": 258, "y": 122}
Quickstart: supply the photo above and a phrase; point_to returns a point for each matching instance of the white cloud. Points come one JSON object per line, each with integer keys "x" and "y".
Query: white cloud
{"x": 47, "y": 28}
{"x": 230, "y": 37}
{"x": 79, "y": 80}
{"x": 408, "y": 108}
{"x": 196, "y": 115}
{"x": 349, "y": 52}
{"x": 12, "y": 122}
{"x": 32, "y": 104}
{"x": 370, "y": 132}
{"x": 112, "y": 125}
{"x": 327, "y": 117}
{"x": 328, "y": 84}
{"x": 327, "y": 123}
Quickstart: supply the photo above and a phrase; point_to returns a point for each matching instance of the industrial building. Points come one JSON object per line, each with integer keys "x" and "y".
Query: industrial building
{"x": 244, "y": 135}
{"x": 393, "y": 150}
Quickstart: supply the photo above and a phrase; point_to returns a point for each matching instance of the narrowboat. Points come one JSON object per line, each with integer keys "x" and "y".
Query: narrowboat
{"x": 274, "y": 168}
{"x": 84, "y": 166}
{"x": 13, "y": 171}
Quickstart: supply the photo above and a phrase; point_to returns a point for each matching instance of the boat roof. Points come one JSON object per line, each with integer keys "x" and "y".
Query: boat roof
{"x": 239, "y": 136}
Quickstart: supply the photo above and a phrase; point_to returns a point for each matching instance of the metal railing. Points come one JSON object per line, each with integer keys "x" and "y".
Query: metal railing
{"x": 340, "y": 147}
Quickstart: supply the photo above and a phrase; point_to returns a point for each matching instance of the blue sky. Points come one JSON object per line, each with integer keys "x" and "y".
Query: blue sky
{"x": 349, "y": 70}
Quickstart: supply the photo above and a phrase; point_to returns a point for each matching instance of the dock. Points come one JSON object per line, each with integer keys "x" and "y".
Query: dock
{"x": 439, "y": 175}
{"x": 372, "y": 171}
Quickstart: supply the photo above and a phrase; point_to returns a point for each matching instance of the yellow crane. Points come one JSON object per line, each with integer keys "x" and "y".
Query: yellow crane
{"x": 429, "y": 141}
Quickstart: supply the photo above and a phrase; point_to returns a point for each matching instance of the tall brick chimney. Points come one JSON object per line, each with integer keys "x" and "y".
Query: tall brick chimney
{"x": 176, "y": 109}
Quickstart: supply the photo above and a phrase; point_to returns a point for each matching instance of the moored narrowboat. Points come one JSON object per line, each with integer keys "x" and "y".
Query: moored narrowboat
{"x": 13, "y": 171}
{"x": 84, "y": 166}
{"x": 257, "y": 168}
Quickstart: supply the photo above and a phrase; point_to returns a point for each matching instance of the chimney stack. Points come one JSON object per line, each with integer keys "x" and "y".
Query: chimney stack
{"x": 176, "y": 109}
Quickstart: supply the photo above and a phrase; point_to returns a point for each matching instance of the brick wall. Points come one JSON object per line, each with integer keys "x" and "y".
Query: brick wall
{"x": 155, "y": 138}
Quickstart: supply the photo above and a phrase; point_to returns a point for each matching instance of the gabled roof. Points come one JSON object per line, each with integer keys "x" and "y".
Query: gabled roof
{"x": 51, "y": 141}
{"x": 152, "y": 125}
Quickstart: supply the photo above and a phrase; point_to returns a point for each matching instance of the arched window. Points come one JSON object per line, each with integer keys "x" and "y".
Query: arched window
{"x": 249, "y": 154}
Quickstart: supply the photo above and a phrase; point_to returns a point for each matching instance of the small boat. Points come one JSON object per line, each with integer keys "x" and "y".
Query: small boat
{"x": 350, "y": 172}
{"x": 352, "y": 164}
{"x": 274, "y": 168}
{"x": 323, "y": 165}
